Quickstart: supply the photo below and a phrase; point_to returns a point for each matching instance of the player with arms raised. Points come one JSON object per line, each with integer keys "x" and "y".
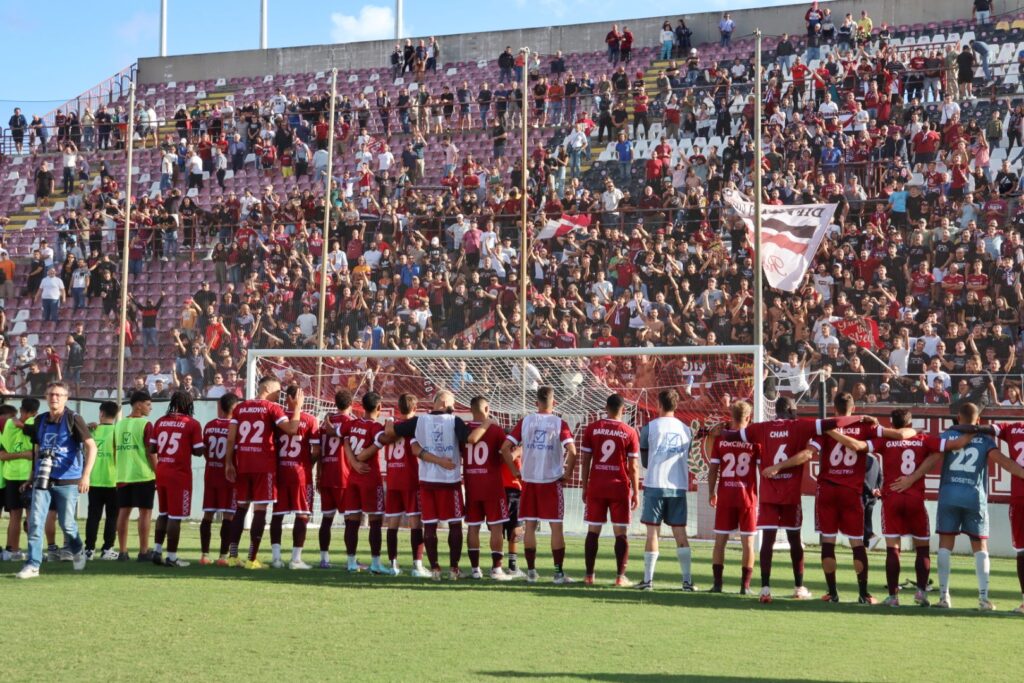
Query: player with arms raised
{"x": 364, "y": 490}
{"x": 963, "y": 504}
{"x": 218, "y": 492}
{"x": 485, "y": 492}
{"x": 610, "y": 484}
{"x": 543, "y": 436}
{"x": 251, "y": 459}
{"x": 175, "y": 439}
{"x": 732, "y": 488}
{"x": 295, "y": 456}
{"x": 332, "y": 470}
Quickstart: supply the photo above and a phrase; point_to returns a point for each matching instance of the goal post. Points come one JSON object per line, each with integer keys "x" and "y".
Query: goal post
{"x": 707, "y": 378}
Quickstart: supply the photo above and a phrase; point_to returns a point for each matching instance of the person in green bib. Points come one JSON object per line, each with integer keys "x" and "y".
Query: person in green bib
{"x": 103, "y": 487}
{"x": 136, "y": 474}
{"x": 16, "y": 460}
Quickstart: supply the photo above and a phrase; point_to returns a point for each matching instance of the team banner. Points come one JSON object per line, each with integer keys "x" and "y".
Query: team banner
{"x": 790, "y": 236}
{"x": 563, "y": 226}
{"x": 861, "y": 331}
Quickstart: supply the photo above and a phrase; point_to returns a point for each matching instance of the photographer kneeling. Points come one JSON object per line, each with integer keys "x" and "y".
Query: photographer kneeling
{"x": 64, "y": 453}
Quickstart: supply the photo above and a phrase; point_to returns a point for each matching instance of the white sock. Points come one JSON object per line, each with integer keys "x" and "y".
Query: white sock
{"x": 275, "y": 552}
{"x": 172, "y": 556}
{"x": 296, "y": 554}
{"x": 981, "y": 569}
{"x": 394, "y": 563}
{"x": 158, "y": 548}
{"x": 650, "y": 559}
{"x": 684, "y": 556}
{"x": 945, "y": 558}
{"x": 351, "y": 559}
{"x": 417, "y": 565}
{"x": 325, "y": 556}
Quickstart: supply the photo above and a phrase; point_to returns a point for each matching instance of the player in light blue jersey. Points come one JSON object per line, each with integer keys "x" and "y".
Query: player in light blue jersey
{"x": 963, "y": 503}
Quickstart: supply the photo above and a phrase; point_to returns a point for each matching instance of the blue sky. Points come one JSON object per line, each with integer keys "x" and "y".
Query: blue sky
{"x": 112, "y": 34}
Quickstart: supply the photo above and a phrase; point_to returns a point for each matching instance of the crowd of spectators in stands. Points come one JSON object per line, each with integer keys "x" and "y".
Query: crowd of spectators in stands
{"x": 927, "y": 240}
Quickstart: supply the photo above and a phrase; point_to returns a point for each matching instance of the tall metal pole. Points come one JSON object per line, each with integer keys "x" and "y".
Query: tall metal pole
{"x": 263, "y": 24}
{"x": 328, "y": 181}
{"x": 524, "y": 228}
{"x": 122, "y": 332}
{"x": 163, "y": 28}
{"x": 758, "y": 154}
{"x": 398, "y": 19}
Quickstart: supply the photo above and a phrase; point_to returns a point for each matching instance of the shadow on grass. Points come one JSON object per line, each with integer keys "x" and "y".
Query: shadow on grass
{"x": 641, "y": 678}
{"x": 602, "y": 592}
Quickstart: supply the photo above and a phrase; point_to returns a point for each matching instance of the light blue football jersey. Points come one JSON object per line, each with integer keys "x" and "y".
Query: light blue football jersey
{"x": 964, "y": 481}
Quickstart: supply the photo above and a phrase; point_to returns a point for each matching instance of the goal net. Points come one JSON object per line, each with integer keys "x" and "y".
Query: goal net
{"x": 708, "y": 379}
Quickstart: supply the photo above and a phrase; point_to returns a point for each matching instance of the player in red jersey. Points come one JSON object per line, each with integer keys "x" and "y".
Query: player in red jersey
{"x": 783, "y": 444}
{"x": 218, "y": 493}
{"x": 838, "y": 503}
{"x": 485, "y": 491}
{"x": 332, "y": 470}
{"x": 610, "y": 485}
{"x": 1013, "y": 434}
{"x": 251, "y": 459}
{"x": 905, "y": 462}
{"x": 732, "y": 487}
{"x": 364, "y": 490}
{"x": 175, "y": 439}
{"x": 402, "y": 495}
{"x": 296, "y": 454}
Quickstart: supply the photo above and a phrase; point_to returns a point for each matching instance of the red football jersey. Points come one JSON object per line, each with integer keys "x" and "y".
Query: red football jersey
{"x": 254, "y": 442}
{"x": 333, "y": 466}
{"x": 1013, "y": 434}
{"x": 901, "y": 457}
{"x": 403, "y": 472}
{"x": 216, "y": 437}
{"x": 361, "y": 434}
{"x": 175, "y": 438}
{"x": 780, "y": 440}
{"x": 737, "y": 471}
{"x": 296, "y": 450}
{"x": 841, "y": 466}
{"x": 482, "y": 463}
{"x": 610, "y": 443}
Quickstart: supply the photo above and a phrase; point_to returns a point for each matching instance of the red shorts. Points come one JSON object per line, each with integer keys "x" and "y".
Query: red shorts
{"x": 905, "y": 516}
{"x": 542, "y": 502}
{"x": 175, "y": 497}
{"x": 441, "y": 502}
{"x": 742, "y": 518}
{"x": 360, "y": 497}
{"x": 599, "y": 508}
{"x": 219, "y": 498}
{"x": 398, "y": 502}
{"x": 839, "y": 509}
{"x": 256, "y": 487}
{"x": 493, "y": 508}
{"x": 780, "y": 516}
{"x": 330, "y": 499}
{"x": 1017, "y": 526}
{"x": 294, "y": 491}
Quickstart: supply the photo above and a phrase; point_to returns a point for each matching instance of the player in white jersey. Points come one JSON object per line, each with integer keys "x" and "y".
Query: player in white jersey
{"x": 665, "y": 453}
{"x": 543, "y": 436}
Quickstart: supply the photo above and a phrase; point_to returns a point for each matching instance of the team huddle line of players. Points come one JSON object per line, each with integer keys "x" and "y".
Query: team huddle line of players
{"x": 442, "y": 469}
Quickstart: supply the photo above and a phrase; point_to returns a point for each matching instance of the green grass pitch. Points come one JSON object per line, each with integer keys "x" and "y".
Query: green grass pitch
{"x": 134, "y": 621}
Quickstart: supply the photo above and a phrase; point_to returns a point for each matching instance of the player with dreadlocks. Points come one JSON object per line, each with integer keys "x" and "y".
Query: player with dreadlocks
{"x": 175, "y": 439}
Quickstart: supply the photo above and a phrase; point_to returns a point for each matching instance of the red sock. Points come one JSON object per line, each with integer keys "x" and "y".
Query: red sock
{"x": 430, "y": 542}
{"x": 767, "y": 549}
{"x": 621, "y": 554}
{"x": 375, "y": 537}
{"x": 892, "y": 569}
{"x": 590, "y": 551}
{"x": 225, "y": 535}
{"x": 259, "y": 523}
{"x": 747, "y": 574}
{"x": 558, "y": 555}
{"x": 860, "y": 554}
{"x": 392, "y": 545}
{"x": 205, "y": 535}
{"x": 1020, "y": 570}
{"x": 531, "y": 557}
{"x": 923, "y": 566}
{"x": 496, "y": 558}
{"x": 474, "y": 557}
{"x": 325, "y": 533}
{"x": 796, "y": 555}
{"x": 299, "y": 532}
{"x": 351, "y": 536}
{"x": 828, "y": 552}
{"x": 276, "y": 529}
{"x": 717, "y": 570}
{"x": 454, "y": 544}
{"x": 416, "y": 541}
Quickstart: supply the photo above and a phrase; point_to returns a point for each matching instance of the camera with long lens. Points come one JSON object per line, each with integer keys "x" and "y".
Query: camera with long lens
{"x": 43, "y": 469}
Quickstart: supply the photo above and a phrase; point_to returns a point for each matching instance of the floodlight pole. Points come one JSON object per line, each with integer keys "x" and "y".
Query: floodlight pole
{"x": 263, "y": 24}
{"x": 758, "y": 267}
{"x": 123, "y": 319}
{"x": 163, "y": 28}
{"x": 398, "y": 19}
{"x": 524, "y": 227}
{"x": 322, "y": 315}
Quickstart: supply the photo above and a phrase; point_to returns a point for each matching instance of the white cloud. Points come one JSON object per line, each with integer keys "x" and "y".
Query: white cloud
{"x": 372, "y": 23}
{"x": 140, "y": 27}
